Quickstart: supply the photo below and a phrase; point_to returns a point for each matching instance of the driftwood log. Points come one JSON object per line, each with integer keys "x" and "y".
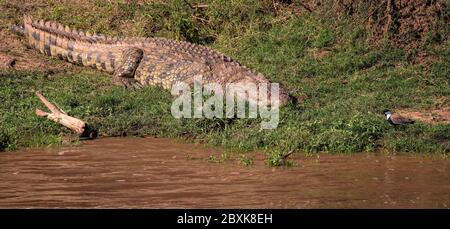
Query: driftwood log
{"x": 58, "y": 115}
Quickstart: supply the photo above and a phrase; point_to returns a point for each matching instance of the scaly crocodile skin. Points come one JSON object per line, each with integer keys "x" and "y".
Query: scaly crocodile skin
{"x": 146, "y": 61}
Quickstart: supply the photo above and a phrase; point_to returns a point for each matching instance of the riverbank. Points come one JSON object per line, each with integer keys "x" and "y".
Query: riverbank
{"x": 342, "y": 80}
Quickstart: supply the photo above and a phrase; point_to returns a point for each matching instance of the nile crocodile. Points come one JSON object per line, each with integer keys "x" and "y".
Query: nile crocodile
{"x": 135, "y": 62}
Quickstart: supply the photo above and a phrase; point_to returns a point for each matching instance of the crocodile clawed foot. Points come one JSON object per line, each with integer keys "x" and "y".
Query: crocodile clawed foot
{"x": 136, "y": 85}
{"x": 128, "y": 83}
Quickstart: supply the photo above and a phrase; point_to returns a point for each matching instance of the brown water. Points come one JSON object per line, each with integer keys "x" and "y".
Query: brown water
{"x": 158, "y": 173}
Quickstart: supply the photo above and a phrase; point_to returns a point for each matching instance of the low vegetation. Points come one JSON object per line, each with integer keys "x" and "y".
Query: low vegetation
{"x": 342, "y": 80}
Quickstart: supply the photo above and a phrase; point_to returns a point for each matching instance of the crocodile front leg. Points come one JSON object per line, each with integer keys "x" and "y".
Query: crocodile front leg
{"x": 124, "y": 73}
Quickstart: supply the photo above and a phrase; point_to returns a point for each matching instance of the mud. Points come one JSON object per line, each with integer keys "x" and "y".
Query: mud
{"x": 434, "y": 116}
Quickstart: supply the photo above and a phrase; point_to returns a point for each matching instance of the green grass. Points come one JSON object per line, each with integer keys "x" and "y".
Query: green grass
{"x": 245, "y": 160}
{"x": 334, "y": 117}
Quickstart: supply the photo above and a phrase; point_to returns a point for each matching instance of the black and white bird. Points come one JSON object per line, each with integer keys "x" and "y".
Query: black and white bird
{"x": 396, "y": 119}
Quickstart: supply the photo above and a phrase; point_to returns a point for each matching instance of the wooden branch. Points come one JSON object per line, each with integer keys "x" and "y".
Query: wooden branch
{"x": 61, "y": 117}
{"x": 53, "y": 108}
{"x": 284, "y": 158}
{"x": 201, "y": 6}
{"x": 201, "y": 19}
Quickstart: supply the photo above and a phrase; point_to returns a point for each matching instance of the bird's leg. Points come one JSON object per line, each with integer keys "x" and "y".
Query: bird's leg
{"x": 125, "y": 71}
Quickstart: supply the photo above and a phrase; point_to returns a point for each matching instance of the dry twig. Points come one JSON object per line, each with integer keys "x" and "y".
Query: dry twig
{"x": 61, "y": 117}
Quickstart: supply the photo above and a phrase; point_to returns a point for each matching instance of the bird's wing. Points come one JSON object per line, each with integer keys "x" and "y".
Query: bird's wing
{"x": 398, "y": 119}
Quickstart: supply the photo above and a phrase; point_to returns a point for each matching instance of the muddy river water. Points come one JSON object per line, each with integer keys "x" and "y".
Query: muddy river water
{"x": 158, "y": 173}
